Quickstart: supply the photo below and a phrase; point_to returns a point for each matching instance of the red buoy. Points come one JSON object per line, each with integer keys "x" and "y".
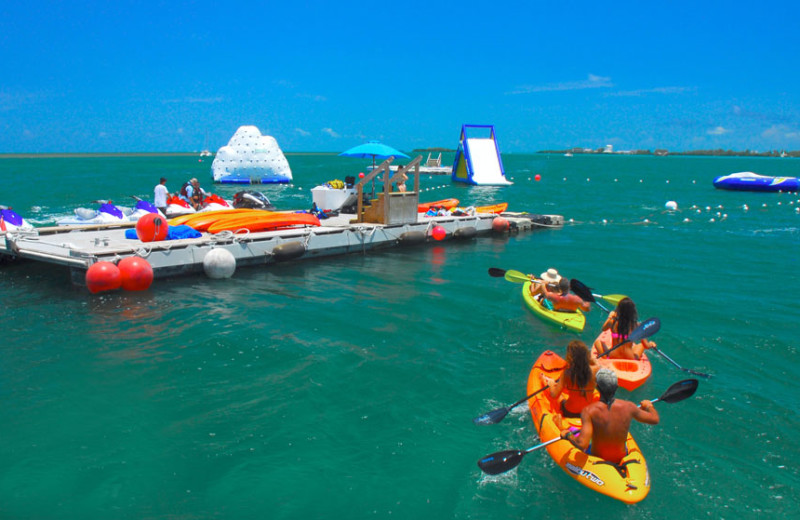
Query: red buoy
{"x": 137, "y": 275}
{"x": 500, "y": 225}
{"x": 537, "y": 178}
{"x": 152, "y": 228}
{"x": 438, "y": 233}
{"x": 103, "y": 276}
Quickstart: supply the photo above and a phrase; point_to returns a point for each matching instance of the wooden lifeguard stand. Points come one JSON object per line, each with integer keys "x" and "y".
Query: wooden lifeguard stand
{"x": 392, "y": 207}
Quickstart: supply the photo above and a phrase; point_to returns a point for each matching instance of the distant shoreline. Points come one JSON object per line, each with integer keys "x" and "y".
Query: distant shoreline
{"x": 124, "y": 154}
{"x": 100, "y": 155}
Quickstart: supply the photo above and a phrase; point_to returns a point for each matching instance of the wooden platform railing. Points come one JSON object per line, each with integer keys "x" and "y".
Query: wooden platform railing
{"x": 391, "y": 206}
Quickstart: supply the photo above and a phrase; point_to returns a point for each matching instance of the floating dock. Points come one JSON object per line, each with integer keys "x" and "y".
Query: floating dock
{"x": 79, "y": 247}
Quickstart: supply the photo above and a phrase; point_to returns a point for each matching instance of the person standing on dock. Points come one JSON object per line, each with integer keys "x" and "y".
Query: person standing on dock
{"x": 160, "y": 196}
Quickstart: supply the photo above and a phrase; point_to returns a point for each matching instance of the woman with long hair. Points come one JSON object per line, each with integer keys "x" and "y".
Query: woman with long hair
{"x": 622, "y": 321}
{"x": 577, "y": 381}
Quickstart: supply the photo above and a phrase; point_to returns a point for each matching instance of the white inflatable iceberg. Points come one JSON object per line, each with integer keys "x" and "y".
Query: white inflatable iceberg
{"x": 251, "y": 158}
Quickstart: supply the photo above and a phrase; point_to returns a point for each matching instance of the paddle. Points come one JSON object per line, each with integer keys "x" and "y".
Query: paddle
{"x": 647, "y": 328}
{"x": 587, "y": 295}
{"x": 511, "y": 275}
{"x": 498, "y": 414}
{"x": 503, "y": 461}
{"x": 693, "y": 372}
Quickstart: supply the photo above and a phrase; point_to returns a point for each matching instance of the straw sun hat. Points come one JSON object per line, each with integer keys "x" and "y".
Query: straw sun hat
{"x": 551, "y": 276}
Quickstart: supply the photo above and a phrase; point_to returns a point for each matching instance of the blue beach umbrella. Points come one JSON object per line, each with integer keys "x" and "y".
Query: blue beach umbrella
{"x": 374, "y": 149}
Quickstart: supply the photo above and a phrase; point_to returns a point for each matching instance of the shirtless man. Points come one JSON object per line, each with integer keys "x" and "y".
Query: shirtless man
{"x": 605, "y": 423}
{"x": 561, "y": 298}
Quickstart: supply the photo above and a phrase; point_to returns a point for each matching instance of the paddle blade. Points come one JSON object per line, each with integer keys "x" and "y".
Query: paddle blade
{"x": 501, "y": 461}
{"x": 613, "y": 299}
{"x": 493, "y": 417}
{"x": 516, "y": 276}
{"x": 680, "y": 391}
{"x": 648, "y": 327}
{"x": 496, "y": 272}
{"x": 581, "y": 290}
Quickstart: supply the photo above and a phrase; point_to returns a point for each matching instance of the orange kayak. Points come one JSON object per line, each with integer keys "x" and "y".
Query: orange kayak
{"x": 631, "y": 373}
{"x": 446, "y": 204}
{"x": 630, "y": 484}
{"x": 201, "y": 217}
{"x": 264, "y": 221}
{"x": 494, "y": 208}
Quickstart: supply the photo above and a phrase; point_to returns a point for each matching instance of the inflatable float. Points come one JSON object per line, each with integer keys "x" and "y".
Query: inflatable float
{"x": 631, "y": 373}
{"x": 573, "y": 320}
{"x": 749, "y": 181}
{"x": 628, "y": 481}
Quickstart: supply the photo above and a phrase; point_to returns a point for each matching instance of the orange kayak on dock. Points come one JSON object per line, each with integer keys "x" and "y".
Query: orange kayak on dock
{"x": 264, "y": 221}
{"x": 494, "y": 208}
{"x": 631, "y": 373}
{"x": 446, "y": 204}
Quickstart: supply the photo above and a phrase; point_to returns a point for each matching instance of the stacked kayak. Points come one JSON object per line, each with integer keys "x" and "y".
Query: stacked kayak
{"x": 244, "y": 219}
{"x": 573, "y": 320}
{"x": 749, "y": 181}
{"x": 631, "y": 373}
{"x": 447, "y": 204}
{"x": 493, "y": 208}
{"x": 629, "y": 481}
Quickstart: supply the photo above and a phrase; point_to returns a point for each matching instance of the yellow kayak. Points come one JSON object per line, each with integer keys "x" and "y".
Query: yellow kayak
{"x": 573, "y": 320}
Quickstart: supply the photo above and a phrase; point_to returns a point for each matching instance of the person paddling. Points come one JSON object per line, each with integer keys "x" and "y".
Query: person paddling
{"x": 577, "y": 381}
{"x": 622, "y": 321}
{"x": 559, "y": 298}
{"x": 605, "y": 423}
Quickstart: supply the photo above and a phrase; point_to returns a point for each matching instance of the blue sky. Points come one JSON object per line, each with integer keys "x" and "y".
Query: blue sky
{"x": 326, "y": 76}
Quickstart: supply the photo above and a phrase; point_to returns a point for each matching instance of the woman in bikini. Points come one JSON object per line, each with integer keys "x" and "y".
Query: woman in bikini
{"x": 622, "y": 321}
{"x": 577, "y": 380}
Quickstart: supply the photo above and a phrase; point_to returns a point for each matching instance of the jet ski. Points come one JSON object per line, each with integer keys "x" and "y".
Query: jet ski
{"x": 252, "y": 200}
{"x": 107, "y": 213}
{"x": 10, "y": 220}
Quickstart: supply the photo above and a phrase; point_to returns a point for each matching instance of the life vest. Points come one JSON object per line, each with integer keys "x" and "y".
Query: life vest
{"x": 183, "y": 189}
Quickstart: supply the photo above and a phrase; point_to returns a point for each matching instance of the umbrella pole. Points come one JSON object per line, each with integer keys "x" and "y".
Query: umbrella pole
{"x": 373, "y": 179}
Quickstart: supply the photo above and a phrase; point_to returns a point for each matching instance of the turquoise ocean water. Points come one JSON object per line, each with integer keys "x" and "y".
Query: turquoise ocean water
{"x": 346, "y": 387}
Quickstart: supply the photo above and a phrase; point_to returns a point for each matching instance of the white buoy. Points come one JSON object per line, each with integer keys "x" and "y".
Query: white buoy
{"x": 671, "y": 205}
{"x": 219, "y": 263}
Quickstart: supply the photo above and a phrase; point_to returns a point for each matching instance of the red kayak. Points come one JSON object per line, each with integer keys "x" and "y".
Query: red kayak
{"x": 631, "y": 373}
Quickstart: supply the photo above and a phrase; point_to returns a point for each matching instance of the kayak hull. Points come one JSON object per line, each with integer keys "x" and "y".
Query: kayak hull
{"x": 494, "y": 208}
{"x": 569, "y": 320}
{"x": 447, "y": 204}
{"x": 631, "y": 373}
{"x": 590, "y": 471}
{"x": 264, "y": 221}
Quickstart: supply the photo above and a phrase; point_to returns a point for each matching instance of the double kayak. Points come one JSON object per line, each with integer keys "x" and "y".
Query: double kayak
{"x": 573, "y": 320}
{"x": 631, "y": 373}
{"x": 628, "y": 481}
